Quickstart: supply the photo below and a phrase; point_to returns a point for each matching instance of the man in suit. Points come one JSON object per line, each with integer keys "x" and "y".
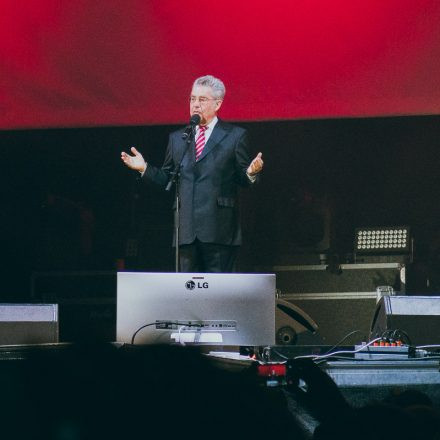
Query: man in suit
{"x": 212, "y": 168}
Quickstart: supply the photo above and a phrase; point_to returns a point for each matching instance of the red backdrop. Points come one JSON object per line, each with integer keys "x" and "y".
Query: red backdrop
{"x": 108, "y": 62}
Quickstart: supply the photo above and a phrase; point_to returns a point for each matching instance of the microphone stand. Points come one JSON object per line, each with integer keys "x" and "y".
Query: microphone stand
{"x": 188, "y": 136}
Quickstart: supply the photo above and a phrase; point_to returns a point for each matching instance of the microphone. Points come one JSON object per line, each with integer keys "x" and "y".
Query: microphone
{"x": 195, "y": 120}
{"x": 186, "y": 135}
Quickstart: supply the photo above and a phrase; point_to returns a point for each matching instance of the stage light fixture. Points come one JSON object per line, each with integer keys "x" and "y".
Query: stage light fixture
{"x": 382, "y": 240}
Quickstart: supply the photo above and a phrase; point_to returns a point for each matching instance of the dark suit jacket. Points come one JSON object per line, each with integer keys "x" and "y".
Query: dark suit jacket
{"x": 208, "y": 187}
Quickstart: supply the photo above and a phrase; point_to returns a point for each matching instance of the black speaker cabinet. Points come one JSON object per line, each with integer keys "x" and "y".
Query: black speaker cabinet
{"x": 336, "y": 315}
{"x": 417, "y": 316}
{"x": 28, "y": 324}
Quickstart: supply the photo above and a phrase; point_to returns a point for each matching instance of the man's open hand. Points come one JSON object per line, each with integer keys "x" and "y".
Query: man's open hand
{"x": 256, "y": 165}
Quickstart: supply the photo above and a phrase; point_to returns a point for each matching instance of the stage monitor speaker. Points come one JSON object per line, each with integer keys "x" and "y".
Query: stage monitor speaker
{"x": 28, "y": 324}
{"x": 417, "y": 316}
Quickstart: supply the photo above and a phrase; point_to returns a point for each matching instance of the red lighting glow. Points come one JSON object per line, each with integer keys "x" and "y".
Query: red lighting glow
{"x": 88, "y": 63}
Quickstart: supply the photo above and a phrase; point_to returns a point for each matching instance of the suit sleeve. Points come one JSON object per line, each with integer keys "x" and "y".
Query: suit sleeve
{"x": 161, "y": 176}
{"x": 243, "y": 160}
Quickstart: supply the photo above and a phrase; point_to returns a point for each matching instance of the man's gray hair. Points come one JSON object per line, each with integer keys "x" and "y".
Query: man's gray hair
{"x": 217, "y": 86}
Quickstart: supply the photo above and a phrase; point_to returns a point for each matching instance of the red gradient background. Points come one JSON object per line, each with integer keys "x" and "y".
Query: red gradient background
{"x": 116, "y": 62}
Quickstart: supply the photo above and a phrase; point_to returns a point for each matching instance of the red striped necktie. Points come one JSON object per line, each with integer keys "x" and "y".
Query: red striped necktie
{"x": 200, "y": 142}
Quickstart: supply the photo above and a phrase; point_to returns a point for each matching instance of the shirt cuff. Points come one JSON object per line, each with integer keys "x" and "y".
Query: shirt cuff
{"x": 251, "y": 178}
{"x": 143, "y": 172}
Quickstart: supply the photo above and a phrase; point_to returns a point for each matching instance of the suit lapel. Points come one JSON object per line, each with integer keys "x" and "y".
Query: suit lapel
{"x": 216, "y": 137}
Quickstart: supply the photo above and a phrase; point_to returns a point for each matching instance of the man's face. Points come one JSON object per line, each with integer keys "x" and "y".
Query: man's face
{"x": 203, "y": 103}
